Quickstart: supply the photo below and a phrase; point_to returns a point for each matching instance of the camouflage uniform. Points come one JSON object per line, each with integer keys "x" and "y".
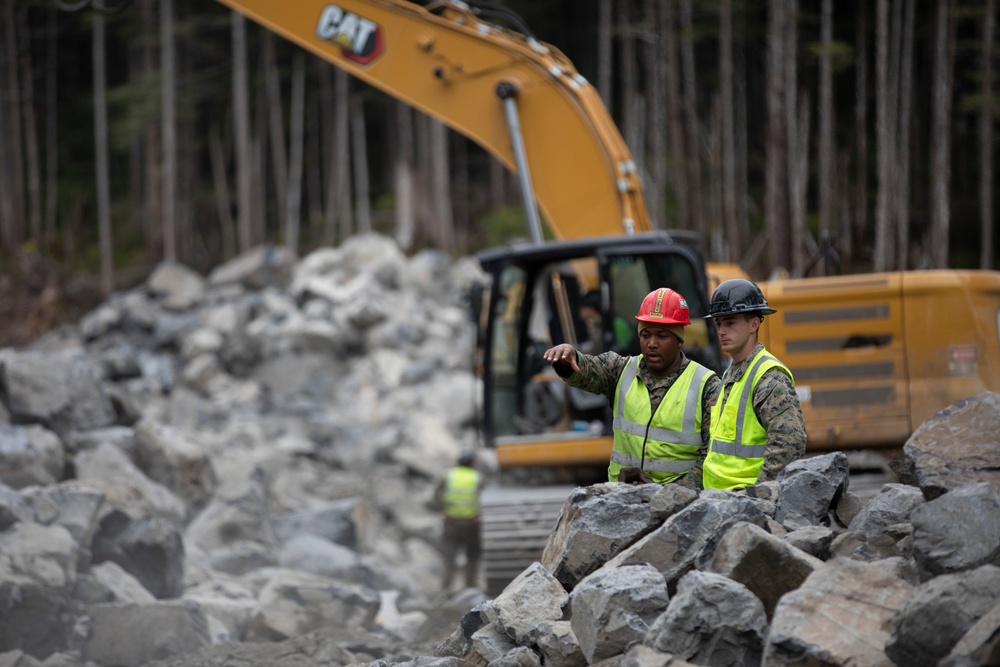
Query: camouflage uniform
{"x": 599, "y": 375}
{"x": 779, "y": 411}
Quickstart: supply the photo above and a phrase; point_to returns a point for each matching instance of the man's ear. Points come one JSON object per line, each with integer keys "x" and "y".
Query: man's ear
{"x": 755, "y": 323}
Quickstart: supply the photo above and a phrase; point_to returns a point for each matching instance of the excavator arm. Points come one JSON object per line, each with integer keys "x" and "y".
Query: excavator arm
{"x": 506, "y": 92}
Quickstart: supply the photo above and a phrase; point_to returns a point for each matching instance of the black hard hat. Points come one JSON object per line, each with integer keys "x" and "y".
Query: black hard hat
{"x": 736, "y": 296}
{"x": 467, "y": 457}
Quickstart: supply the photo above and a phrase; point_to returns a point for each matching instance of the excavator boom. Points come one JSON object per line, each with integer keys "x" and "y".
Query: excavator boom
{"x": 442, "y": 59}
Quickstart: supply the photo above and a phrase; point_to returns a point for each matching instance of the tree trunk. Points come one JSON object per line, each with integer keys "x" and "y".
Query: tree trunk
{"x": 604, "y": 45}
{"x": 241, "y": 123}
{"x": 168, "y": 120}
{"x": 856, "y": 230}
{"x": 293, "y": 203}
{"x": 727, "y": 140}
{"x": 403, "y": 177}
{"x": 826, "y": 161}
{"x": 630, "y": 122}
{"x": 901, "y": 196}
{"x": 675, "y": 118}
{"x": 986, "y": 254}
{"x": 223, "y": 205}
{"x": 941, "y": 135}
{"x": 31, "y": 141}
{"x": 51, "y": 126}
{"x": 885, "y": 134}
{"x": 656, "y": 162}
{"x": 689, "y": 100}
{"x": 797, "y": 151}
{"x": 776, "y": 212}
{"x": 13, "y": 228}
{"x": 359, "y": 146}
{"x": 441, "y": 191}
{"x": 338, "y": 184}
{"x": 276, "y": 128}
{"x": 101, "y": 155}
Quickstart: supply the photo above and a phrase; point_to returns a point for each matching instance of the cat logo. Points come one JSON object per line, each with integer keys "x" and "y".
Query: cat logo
{"x": 359, "y": 39}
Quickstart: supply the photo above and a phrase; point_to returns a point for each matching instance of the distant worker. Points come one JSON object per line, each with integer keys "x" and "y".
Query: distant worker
{"x": 457, "y": 494}
{"x": 660, "y": 399}
{"x": 750, "y": 445}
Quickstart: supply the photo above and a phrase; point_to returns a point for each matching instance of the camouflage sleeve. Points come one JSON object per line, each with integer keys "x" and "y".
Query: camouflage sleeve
{"x": 693, "y": 480}
{"x": 780, "y": 413}
{"x": 598, "y": 375}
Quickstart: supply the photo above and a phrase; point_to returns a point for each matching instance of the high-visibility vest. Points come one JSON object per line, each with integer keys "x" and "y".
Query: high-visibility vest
{"x": 461, "y": 493}
{"x": 736, "y": 451}
{"x": 671, "y": 436}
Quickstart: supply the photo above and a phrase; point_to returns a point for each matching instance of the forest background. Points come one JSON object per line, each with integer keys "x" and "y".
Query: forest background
{"x": 789, "y": 133}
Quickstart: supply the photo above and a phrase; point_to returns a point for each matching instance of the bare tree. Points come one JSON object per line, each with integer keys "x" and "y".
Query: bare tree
{"x": 101, "y": 156}
{"x": 337, "y": 216}
{"x": 727, "y": 110}
{"x": 689, "y": 100}
{"x": 656, "y": 163}
{"x": 629, "y": 78}
{"x": 276, "y": 127}
{"x": 12, "y": 231}
{"x": 776, "y": 213}
{"x": 241, "y": 122}
{"x": 32, "y": 165}
{"x": 604, "y": 43}
{"x": 986, "y": 140}
{"x": 51, "y": 126}
{"x": 168, "y": 126}
{"x": 860, "y": 222}
{"x": 359, "y": 144}
{"x": 223, "y": 205}
{"x": 885, "y": 135}
{"x": 293, "y": 202}
{"x": 441, "y": 192}
{"x": 826, "y": 161}
{"x": 901, "y": 195}
{"x": 675, "y": 118}
{"x": 403, "y": 176}
{"x": 941, "y": 135}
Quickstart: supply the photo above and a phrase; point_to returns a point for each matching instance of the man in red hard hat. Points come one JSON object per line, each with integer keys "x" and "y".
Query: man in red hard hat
{"x": 661, "y": 400}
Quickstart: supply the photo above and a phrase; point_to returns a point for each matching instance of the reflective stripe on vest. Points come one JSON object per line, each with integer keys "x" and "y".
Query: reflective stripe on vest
{"x": 672, "y": 436}
{"x": 737, "y": 462}
{"x": 461, "y": 493}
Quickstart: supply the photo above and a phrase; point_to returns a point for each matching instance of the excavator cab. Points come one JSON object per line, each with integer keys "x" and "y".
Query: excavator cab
{"x": 584, "y": 293}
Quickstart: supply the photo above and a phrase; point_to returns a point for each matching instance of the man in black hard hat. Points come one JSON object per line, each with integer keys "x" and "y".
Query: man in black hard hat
{"x": 757, "y": 426}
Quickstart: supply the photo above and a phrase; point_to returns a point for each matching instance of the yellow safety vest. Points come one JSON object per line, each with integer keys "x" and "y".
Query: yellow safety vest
{"x": 672, "y": 436}
{"x": 461, "y": 493}
{"x": 736, "y": 452}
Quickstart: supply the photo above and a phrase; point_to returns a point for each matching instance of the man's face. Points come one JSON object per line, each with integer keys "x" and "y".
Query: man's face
{"x": 735, "y": 332}
{"x": 660, "y": 348}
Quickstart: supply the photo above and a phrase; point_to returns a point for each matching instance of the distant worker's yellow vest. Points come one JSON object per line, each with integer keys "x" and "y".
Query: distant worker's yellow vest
{"x": 736, "y": 452}
{"x": 461, "y": 493}
{"x": 672, "y": 436}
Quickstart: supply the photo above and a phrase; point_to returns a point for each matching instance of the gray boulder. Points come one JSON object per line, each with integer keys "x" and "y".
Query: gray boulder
{"x": 613, "y": 609}
{"x": 958, "y": 446}
{"x": 712, "y": 620}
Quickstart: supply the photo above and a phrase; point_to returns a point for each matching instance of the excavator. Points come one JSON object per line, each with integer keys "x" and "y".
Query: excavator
{"x": 873, "y": 355}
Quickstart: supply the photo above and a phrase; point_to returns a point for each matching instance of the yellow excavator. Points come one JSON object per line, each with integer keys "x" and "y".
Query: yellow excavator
{"x": 873, "y": 355}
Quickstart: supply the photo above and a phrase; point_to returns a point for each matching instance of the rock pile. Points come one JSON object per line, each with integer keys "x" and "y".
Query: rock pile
{"x": 233, "y": 470}
{"x": 239, "y": 457}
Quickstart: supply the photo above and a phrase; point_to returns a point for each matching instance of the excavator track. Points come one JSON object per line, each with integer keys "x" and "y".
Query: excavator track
{"x": 516, "y": 523}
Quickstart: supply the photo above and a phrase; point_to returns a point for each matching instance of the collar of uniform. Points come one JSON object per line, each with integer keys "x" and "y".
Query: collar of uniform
{"x": 651, "y": 380}
{"x": 736, "y": 370}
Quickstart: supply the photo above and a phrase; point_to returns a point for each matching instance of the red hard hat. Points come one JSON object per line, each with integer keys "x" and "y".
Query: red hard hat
{"x": 664, "y": 306}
